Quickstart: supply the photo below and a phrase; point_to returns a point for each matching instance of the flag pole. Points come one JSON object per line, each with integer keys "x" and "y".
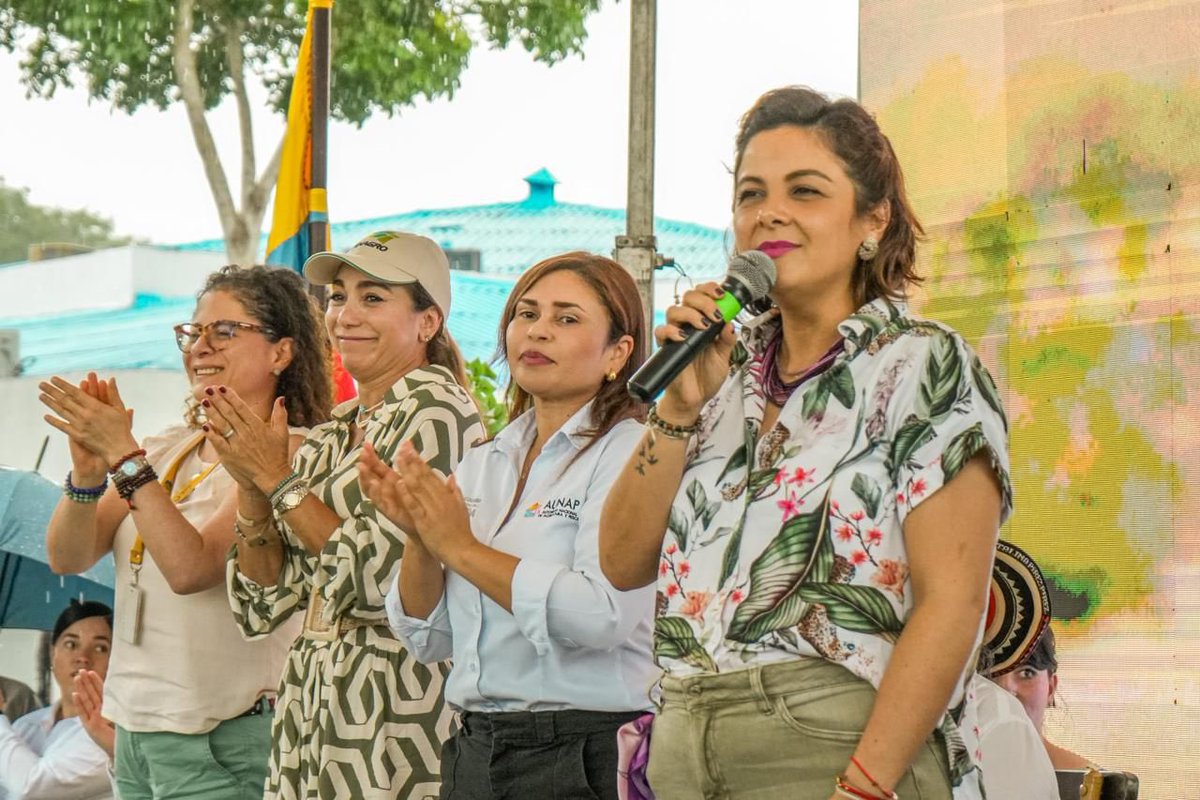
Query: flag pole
{"x": 318, "y": 226}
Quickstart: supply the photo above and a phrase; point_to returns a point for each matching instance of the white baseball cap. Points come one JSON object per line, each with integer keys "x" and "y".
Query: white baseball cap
{"x": 390, "y": 257}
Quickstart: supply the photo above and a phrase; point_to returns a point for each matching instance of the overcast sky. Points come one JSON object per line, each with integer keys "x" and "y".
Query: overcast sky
{"x": 509, "y": 118}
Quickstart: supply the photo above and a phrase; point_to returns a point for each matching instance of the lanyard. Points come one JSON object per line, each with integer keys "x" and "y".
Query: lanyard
{"x": 168, "y": 481}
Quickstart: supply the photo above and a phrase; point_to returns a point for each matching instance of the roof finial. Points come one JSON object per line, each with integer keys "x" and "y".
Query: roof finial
{"x": 541, "y": 189}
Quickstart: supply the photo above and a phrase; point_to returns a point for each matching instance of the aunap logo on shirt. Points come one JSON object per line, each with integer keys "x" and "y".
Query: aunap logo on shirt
{"x": 567, "y": 507}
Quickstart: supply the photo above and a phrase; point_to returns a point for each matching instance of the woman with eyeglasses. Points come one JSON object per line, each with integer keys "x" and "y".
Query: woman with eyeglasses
{"x": 191, "y": 698}
{"x": 357, "y": 716}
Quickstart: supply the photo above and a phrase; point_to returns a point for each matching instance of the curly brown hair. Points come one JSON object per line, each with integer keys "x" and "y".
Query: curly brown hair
{"x": 278, "y": 298}
{"x": 619, "y": 296}
{"x": 871, "y": 164}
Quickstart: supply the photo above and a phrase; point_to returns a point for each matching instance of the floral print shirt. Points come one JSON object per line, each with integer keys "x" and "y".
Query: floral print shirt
{"x": 790, "y": 543}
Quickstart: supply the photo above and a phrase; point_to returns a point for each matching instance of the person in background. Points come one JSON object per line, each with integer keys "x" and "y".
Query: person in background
{"x": 1034, "y": 683}
{"x": 190, "y": 697}
{"x": 46, "y": 754}
{"x": 16, "y": 699}
{"x": 502, "y": 568}
{"x": 357, "y": 717}
{"x": 818, "y": 496}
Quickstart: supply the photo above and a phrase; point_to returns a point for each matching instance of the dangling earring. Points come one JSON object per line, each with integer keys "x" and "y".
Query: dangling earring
{"x": 868, "y": 249}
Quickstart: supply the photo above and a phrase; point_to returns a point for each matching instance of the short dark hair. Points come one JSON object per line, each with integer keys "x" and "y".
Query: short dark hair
{"x": 619, "y": 296}
{"x": 871, "y": 164}
{"x": 279, "y": 299}
{"x": 76, "y": 611}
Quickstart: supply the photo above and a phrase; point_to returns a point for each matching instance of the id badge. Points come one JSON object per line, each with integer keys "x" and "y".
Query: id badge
{"x": 129, "y": 621}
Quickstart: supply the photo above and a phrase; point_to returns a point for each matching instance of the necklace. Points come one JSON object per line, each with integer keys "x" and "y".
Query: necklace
{"x": 778, "y": 390}
{"x": 363, "y": 415}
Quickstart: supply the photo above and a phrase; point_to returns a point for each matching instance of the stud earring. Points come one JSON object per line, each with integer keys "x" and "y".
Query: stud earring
{"x": 868, "y": 249}
{"x": 611, "y": 376}
{"x": 276, "y": 372}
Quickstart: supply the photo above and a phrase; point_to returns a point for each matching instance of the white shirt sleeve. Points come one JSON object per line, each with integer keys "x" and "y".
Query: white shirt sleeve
{"x": 73, "y": 767}
{"x": 1015, "y": 764}
{"x": 576, "y": 605}
{"x": 429, "y": 640}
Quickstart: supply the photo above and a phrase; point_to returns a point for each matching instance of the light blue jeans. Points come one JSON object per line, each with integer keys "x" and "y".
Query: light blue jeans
{"x": 227, "y": 763}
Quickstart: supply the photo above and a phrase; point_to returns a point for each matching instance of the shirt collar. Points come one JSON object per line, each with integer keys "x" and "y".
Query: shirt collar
{"x": 404, "y": 385}
{"x": 518, "y": 433}
{"x": 857, "y": 330}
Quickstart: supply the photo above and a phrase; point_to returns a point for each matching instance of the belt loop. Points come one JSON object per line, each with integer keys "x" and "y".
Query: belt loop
{"x": 760, "y": 691}
{"x": 544, "y": 726}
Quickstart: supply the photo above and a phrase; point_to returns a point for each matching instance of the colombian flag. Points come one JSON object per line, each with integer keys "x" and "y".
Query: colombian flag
{"x": 297, "y": 203}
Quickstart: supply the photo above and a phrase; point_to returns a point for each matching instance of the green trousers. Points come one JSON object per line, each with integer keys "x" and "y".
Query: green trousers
{"x": 778, "y": 731}
{"x": 227, "y": 763}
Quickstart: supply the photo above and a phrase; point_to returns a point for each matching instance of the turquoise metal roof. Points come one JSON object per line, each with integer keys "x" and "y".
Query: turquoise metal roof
{"x": 140, "y": 337}
{"x": 513, "y": 236}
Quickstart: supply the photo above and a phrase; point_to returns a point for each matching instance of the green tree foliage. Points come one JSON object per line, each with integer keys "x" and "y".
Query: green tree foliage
{"x": 386, "y": 54}
{"x": 23, "y": 223}
{"x": 487, "y": 395}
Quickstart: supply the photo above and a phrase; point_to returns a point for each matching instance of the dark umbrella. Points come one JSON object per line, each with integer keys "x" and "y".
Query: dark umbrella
{"x": 31, "y": 596}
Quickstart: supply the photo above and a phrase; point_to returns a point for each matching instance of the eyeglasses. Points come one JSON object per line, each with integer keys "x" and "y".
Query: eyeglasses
{"x": 219, "y": 333}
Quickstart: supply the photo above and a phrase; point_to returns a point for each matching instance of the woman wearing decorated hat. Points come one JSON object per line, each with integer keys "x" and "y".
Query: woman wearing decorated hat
{"x": 357, "y": 716}
{"x": 1019, "y": 643}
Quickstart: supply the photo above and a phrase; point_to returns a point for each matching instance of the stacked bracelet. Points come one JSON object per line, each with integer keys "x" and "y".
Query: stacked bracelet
{"x": 257, "y": 541}
{"x": 127, "y": 485}
{"x": 887, "y": 793}
{"x": 90, "y": 494}
{"x": 844, "y": 788}
{"x": 285, "y": 484}
{"x": 660, "y": 425}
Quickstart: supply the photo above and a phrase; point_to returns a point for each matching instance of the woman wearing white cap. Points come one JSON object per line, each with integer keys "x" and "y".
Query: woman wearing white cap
{"x": 357, "y": 716}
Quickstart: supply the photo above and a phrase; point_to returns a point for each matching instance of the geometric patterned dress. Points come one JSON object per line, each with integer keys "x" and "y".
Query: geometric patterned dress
{"x": 357, "y": 716}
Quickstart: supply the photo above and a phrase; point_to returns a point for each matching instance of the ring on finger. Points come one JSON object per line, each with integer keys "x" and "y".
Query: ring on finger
{"x": 227, "y": 434}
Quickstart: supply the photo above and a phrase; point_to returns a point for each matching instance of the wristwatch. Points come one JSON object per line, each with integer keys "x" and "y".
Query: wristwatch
{"x": 290, "y": 499}
{"x": 130, "y": 467}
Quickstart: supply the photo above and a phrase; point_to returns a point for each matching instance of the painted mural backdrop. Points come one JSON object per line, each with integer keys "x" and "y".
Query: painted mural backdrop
{"x": 1052, "y": 148}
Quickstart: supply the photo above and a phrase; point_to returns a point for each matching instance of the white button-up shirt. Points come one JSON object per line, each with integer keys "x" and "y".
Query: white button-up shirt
{"x": 44, "y": 760}
{"x": 572, "y": 641}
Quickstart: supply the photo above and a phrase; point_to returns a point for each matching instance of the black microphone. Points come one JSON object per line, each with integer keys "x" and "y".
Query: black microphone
{"x": 750, "y": 276}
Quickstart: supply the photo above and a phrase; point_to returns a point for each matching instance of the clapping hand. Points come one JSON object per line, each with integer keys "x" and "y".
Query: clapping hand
{"x": 254, "y": 453}
{"x": 435, "y": 505}
{"x": 98, "y": 426}
{"x": 378, "y": 482}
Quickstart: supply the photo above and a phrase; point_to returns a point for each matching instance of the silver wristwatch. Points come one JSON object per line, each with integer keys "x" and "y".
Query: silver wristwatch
{"x": 290, "y": 499}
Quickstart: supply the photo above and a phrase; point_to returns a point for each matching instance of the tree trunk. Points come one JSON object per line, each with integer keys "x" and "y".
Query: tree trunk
{"x": 242, "y": 227}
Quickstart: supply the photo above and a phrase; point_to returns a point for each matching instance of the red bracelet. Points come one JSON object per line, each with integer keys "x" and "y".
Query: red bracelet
{"x": 849, "y": 789}
{"x": 126, "y": 457}
{"x": 890, "y": 795}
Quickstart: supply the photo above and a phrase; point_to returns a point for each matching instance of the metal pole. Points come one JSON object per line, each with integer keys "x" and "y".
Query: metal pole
{"x": 636, "y": 250}
{"x": 318, "y": 230}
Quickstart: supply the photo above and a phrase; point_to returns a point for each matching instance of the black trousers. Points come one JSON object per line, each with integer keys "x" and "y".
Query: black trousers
{"x": 521, "y": 755}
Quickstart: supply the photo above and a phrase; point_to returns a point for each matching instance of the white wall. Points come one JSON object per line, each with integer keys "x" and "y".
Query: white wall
{"x": 101, "y": 280}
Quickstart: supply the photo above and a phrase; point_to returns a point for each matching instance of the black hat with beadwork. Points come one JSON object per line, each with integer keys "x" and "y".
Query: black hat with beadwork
{"x": 1018, "y": 609}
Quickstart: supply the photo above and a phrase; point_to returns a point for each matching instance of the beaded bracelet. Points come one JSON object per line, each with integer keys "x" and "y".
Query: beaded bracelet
{"x": 89, "y": 494}
{"x": 126, "y": 457}
{"x": 671, "y": 431}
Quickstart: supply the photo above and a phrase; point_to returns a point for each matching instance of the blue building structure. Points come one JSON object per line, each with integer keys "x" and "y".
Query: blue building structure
{"x": 489, "y": 246}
